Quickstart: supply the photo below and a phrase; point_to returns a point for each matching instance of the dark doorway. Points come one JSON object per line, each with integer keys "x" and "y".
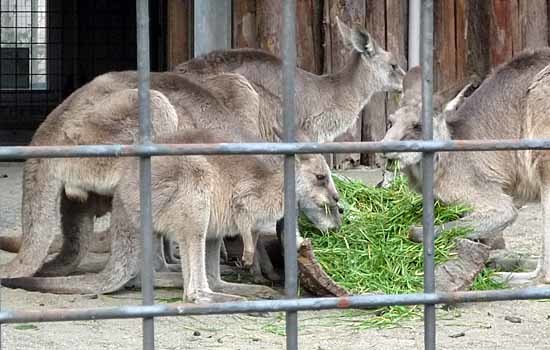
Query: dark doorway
{"x": 49, "y": 48}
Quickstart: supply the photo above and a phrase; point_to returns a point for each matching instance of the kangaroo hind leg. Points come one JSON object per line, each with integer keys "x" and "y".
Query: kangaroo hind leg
{"x": 123, "y": 264}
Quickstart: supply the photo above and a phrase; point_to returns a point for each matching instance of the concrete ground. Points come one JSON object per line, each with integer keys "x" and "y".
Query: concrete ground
{"x": 473, "y": 326}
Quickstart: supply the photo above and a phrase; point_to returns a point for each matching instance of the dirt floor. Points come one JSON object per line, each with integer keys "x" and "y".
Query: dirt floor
{"x": 475, "y": 326}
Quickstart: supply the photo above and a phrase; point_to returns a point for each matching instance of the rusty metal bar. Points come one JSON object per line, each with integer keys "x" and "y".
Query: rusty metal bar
{"x": 8, "y": 153}
{"x": 145, "y": 126}
{"x": 428, "y": 172}
{"x": 290, "y": 210}
{"x": 352, "y": 302}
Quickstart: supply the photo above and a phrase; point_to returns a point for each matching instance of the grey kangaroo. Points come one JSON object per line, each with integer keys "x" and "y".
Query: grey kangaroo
{"x": 197, "y": 200}
{"x": 511, "y": 103}
{"x": 64, "y": 195}
{"x": 326, "y": 106}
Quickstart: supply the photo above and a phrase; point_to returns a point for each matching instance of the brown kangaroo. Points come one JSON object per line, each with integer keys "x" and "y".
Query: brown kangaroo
{"x": 197, "y": 200}
{"x": 326, "y": 106}
{"x": 512, "y": 103}
{"x": 56, "y": 192}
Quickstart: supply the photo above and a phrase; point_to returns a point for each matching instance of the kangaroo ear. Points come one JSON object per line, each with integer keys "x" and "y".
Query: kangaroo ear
{"x": 413, "y": 80}
{"x": 356, "y": 38}
{"x": 302, "y": 158}
{"x": 412, "y": 87}
{"x": 456, "y": 102}
{"x": 473, "y": 83}
{"x": 278, "y": 132}
{"x": 299, "y": 135}
{"x": 345, "y": 32}
{"x": 362, "y": 42}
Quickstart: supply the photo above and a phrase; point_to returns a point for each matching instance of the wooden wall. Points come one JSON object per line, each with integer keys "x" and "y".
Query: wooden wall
{"x": 471, "y": 36}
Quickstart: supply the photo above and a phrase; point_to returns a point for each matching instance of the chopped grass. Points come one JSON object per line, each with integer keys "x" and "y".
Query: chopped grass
{"x": 25, "y": 327}
{"x": 169, "y": 300}
{"x": 371, "y": 251}
{"x": 485, "y": 281}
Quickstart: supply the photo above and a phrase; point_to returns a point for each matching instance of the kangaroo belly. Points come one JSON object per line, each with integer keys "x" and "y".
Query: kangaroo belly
{"x": 528, "y": 178}
{"x": 89, "y": 175}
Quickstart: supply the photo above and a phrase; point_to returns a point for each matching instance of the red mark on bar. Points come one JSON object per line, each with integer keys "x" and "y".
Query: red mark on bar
{"x": 343, "y": 303}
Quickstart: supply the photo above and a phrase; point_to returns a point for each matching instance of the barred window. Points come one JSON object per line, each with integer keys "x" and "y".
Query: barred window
{"x": 23, "y": 45}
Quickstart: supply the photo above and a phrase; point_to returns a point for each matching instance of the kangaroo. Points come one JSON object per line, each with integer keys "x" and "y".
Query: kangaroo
{"x": 12, "y": 244}
{"x": 197, "y": 200}
{"x": 56, "y": 192}
{"x": 511, "y": 103}
{"x": 326, "y": 105}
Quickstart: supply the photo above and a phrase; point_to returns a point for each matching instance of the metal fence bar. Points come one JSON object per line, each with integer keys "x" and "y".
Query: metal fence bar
{"x": 1, "y": 328}
{"x": 428, "y": 172}
{"x": 148, "y": 311}
{"x": 351, "y": 302}
{"x": 290, "y": 213}
{"x": 146, "y": 219}
{"x": 212, "y": 26}
{"x": 8, "y": 153}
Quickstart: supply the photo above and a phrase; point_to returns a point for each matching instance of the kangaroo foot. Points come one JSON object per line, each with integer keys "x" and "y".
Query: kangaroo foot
{"x": 273, "y": 276}
{"x": 524, "y": 278}
{"x": 208, "y": 297}
{"x": 258, "y": 277}
{"x": 246, "y": 290}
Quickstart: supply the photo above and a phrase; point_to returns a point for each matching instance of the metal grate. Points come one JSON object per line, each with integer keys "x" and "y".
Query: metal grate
{"x": 15, "y": 65}
{"x": 23, "y": 44}
{"x": 291, "y": 305}
{"x": 49, "y": 48}
{"x": 25, "y": 63}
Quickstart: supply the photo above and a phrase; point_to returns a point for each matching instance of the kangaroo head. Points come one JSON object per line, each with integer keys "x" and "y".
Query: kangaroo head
{"x": 315, "y": 190}
{"x": 387, "y": 73}
{"x": 406, "y": 122}
{"x": 316, "y": 193}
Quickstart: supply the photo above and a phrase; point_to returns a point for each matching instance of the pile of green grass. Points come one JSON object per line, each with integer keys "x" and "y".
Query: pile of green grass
{"x": 371, "y": 251}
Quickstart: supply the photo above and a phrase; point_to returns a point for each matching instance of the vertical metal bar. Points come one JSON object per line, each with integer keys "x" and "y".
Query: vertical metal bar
{"x": 142, "y": 10}
{"x": 414, "y": 33}
{"x": 212, "y": 20}
{"x": 428, "y": 171}
{"x": 1, "y": 328}
{"x": 290, "y": 213}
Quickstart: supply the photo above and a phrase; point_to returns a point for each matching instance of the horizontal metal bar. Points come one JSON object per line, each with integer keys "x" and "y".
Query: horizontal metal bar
{"x": 351, "y": 302}
{"x": 23, "y": 152}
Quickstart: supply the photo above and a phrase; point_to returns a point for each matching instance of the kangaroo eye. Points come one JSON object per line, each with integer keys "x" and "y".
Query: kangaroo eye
{"x": 417, "y": 127}
{"x": 394, "y": 66}
{"x": 320, "y": 177}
